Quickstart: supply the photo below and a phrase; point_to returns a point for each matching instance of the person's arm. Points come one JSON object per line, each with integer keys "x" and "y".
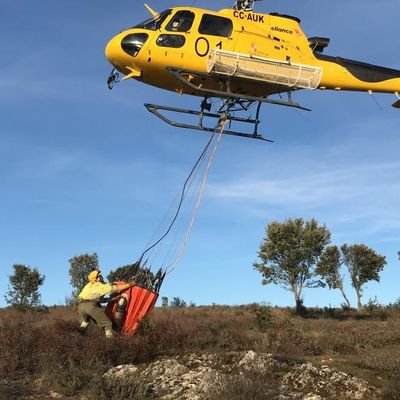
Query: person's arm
{"x": 120, "y": 288}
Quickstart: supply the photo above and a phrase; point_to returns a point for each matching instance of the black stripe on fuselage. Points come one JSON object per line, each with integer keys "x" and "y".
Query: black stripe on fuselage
{"x": 362, "y": 71}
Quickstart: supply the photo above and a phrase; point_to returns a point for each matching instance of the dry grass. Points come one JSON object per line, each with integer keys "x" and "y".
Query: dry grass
{"x": 254, "y": 386}
{"x": 46, "y": 349}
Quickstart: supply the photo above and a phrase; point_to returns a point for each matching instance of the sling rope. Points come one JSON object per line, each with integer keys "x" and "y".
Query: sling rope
{"x": 222, "y": 122}
{"x": 182, "y": 196}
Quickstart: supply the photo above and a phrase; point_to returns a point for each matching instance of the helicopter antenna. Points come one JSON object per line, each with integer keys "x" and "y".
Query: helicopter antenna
{"x": 244, "y": 5}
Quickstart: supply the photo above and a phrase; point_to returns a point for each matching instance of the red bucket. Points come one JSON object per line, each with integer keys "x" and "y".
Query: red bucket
{"x": 139, "y": 303}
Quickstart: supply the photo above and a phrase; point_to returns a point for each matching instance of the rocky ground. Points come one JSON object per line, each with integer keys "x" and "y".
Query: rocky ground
{"x": 225, "y": 376}
{"x": 201, "y": 377}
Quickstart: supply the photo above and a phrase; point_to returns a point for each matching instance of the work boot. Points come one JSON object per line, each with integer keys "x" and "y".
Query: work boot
{"x": 83, "y": 328}
{"x": 109, "y": 333}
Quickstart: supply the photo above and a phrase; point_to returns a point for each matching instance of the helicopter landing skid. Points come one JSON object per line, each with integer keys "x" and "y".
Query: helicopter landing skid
{"x": 158, "y": 110}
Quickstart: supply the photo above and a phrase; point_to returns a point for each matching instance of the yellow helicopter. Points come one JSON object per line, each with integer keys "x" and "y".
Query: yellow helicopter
{"x": 237, "y": 55}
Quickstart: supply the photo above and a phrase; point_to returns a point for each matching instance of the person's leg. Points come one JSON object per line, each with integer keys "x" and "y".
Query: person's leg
{"x": 102, "y": 320}
{"x": 119, "y": 314}
{"x": 84, "y": 317}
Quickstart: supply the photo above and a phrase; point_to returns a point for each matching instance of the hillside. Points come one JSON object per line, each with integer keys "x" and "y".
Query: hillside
{"x": 244, "y": 352}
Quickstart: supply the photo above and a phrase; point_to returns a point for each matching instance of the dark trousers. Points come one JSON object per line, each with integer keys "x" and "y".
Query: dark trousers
{"x": 92, "y": 311}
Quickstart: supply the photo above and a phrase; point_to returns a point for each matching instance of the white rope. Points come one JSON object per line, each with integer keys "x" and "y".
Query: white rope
{"x": 222, "y": 122}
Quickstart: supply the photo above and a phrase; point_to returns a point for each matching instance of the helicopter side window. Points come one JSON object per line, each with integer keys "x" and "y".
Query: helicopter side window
{"x": 181, "y": 22}
{"x": 216, "y": 26}
{"x": 171, "y": 41}
{"x": 154, "y": 23}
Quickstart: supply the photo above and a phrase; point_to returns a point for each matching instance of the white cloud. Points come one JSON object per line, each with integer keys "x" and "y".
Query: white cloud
{"x": 354, "y": 201}
{"x": 314, "y": 189}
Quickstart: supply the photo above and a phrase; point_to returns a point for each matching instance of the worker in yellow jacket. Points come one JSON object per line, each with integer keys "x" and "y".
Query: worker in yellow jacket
{"x": 89, "y": 306}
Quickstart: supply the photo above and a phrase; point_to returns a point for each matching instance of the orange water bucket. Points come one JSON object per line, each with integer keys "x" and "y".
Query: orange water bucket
{"x": 138, "y": 301}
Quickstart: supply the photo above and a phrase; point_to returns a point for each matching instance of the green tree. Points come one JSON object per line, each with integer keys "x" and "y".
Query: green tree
{"x": 80, "y": 267}
{"x": 363, "y": 264}
{"x": 328, "y": 268}
{"x": 24, "y": 287}
{"x": 289, "y": 253}
{"x": 178, "y": 302}
{"x": 164, "y": 301}
{"x": 125, "y": 273}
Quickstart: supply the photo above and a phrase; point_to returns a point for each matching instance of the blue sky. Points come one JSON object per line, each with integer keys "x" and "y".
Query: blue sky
{"x": 85, "y": 169}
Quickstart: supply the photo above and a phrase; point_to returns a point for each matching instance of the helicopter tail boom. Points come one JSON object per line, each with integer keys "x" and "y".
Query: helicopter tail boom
{"x": 357, "y": 76}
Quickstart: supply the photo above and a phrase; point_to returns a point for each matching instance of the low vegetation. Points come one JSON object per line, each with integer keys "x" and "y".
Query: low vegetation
{"x": 42, "y": 351}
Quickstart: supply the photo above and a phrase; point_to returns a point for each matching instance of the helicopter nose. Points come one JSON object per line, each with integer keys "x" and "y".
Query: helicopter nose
{"x": 113, "y": 51}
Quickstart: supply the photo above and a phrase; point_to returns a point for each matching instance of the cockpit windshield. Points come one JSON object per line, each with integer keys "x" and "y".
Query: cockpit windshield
{"x": 154, "y": 23}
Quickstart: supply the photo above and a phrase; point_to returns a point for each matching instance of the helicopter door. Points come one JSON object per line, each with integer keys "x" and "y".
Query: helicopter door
{"x": 182, "y": 21}
{"x": 213, "y": 32}
{"x": 170, "y": 44}
{"x": 170, "y": 47}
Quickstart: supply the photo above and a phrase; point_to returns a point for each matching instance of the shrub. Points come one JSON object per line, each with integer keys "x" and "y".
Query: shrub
{"x": 47, "y": 347}
{"x": 251, "y": 385}
{"x": 263, "y": 319}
